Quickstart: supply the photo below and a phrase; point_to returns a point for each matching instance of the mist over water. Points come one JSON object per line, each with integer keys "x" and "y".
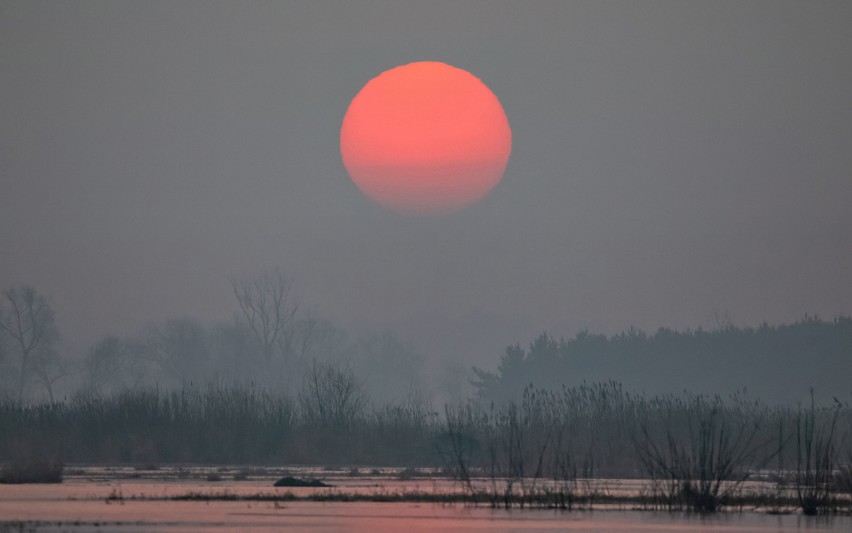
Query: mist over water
{"x": 189, "y": 275}
{"x": 670, "y": 166}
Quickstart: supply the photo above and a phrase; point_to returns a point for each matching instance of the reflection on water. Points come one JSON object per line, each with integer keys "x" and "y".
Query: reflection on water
{"x": 336, "y": 516}
{"x": 91, "y": 500}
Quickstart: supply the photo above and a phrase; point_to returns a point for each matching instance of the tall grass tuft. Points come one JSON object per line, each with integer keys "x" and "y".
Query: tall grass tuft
{"x": 816, "y": 457}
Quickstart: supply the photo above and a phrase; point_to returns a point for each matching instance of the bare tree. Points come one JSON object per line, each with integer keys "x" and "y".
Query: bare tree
{"x": 298, "y": 336}
{"x": 332, "y": 396}
{"x": 107, "y": 366}
{"x": 268, "y": 307}
{"x": 234, "y": 351}
{"x": 179, "y": 348}
{"x": 48, "y": 368}
{"x": 29, "y": 324}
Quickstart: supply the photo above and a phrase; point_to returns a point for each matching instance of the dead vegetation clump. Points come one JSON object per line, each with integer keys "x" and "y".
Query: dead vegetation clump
{"x": 33, "y": 471}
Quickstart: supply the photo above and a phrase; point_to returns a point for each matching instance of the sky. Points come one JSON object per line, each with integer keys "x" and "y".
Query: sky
{"x": 677, "y": 164}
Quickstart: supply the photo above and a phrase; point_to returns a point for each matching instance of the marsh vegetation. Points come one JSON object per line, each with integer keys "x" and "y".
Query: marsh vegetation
{"x": 693, "y": 452}
{"x": 279, "y": 386}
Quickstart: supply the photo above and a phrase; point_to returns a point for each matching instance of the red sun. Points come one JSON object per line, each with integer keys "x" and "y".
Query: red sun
{"x": 425, "y": 137}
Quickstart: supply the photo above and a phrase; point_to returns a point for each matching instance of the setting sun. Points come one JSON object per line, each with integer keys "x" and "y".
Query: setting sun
{"x": 425, "y": 137}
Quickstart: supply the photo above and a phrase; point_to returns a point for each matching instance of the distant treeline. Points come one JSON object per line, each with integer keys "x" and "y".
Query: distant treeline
{"x": 778, "y": 364}
{"x": 272, "y": 341}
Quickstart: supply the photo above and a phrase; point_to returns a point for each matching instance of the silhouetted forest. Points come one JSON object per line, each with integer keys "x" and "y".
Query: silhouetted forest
{"x": 274, "y": 341}
{"x": 778, "y": 364}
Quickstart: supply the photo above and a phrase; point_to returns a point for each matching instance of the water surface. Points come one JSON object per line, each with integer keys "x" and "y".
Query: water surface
{"x": 104, "y": 499}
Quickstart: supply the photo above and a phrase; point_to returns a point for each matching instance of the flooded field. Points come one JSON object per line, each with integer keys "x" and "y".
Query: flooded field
{"x": 142, "y": 499}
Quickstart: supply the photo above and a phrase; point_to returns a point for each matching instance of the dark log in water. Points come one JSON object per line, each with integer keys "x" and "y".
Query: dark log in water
{"x": 296, "y": 482}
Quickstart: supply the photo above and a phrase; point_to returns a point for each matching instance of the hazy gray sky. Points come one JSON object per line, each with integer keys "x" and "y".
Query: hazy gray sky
{"x": 673, "y": 162}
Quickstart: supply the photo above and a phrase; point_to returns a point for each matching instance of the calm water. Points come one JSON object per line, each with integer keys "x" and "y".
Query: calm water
{"x": 82, "y": 504}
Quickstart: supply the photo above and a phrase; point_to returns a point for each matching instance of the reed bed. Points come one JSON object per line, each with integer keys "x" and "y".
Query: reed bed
{"x": 696, "y": 451}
